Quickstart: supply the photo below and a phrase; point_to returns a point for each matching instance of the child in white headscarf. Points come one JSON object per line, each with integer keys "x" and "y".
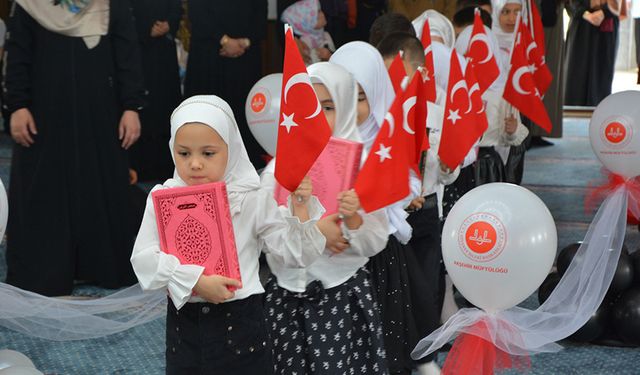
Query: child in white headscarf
{"x": 390, "y": 268}
{"x": 510, "y": 146}
{"x": 308, "y": 22}
{"x": 323, "y": 318}
{"x": 216, "y": 330}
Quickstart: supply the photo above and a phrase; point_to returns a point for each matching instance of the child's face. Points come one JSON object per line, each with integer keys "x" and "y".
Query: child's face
{"x": 322, "y": 20}
{"x": 200, "y": 154}
{"x": 508, "y": 16}
{"x": 328, "y": 107}
{"x": 363, "y": 106}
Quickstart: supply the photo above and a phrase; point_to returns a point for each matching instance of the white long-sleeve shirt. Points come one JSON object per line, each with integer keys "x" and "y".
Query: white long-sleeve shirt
{"x": 497, "y": 110}
{"x": 258, "y": 225}
{"x": 332, "y": 269}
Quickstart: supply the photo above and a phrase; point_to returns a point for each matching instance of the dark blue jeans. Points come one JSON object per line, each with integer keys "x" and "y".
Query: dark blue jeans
{"x": 228, "y": 338}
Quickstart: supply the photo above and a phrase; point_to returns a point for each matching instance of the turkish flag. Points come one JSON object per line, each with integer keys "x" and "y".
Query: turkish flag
{"x": 420, "y": 115}
{"x": 303, "y": 131}
{"x": 480, "y": 55}
{"x": 541, "y": 73}
{"x": 461, "y": 128}
{"x": 384, "y": 177}
{"x": 430, "y": 78}
{"x": 537, "y": 29}
{"x": 520, "y": 89}
{"x": 397, "y": 73}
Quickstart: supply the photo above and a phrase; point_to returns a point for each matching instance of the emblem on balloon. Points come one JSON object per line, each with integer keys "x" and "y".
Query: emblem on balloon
{"x": 262, "y": 109}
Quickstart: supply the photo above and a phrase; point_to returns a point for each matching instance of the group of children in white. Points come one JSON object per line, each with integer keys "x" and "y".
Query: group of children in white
{"x": 342, "y": 298}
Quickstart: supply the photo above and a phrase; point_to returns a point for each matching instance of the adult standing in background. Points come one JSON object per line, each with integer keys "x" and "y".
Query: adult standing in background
{"x": 73, "y": 87}
{"x": 157, "y": 22}
{"x": 414, "y": 8}
{"x": 592, "y": 42}
{"x": 224, "y": 56}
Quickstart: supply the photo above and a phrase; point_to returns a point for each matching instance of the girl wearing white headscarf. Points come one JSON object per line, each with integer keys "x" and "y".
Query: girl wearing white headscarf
{"x": 508, "y": 144}
{"x": 390, "y": 269}
{"x": 331, "y": 298}
{"x": 258, "y": 224}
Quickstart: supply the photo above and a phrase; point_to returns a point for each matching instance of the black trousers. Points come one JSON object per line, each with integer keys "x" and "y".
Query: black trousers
{"x": 227, "y": 339}
{"x": 425, "y": 244}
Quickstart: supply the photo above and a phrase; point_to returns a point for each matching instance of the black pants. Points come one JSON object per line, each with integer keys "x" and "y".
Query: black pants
{"x": 425, "y": 244}
{"x": 227, "y": 339}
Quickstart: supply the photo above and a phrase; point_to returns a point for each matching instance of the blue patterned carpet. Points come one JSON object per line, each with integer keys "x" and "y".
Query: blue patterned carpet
{"x": 558, "y": 174}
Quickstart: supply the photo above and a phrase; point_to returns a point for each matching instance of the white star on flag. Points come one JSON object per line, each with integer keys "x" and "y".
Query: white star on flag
{"x": 533, "y": 68}
{"x": 454, "y": 116}
{"x": 384, "y": 152}
{"x": 288, "y": 122}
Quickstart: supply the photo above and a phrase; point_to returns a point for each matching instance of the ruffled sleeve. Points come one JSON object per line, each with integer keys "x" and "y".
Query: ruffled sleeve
{"x": 156, "y": 269}
{"x": 293, "y": 243}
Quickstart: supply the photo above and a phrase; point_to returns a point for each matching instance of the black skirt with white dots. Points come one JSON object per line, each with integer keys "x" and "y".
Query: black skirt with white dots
{"x": 390, "y": 275}
{"x": 326, "y": 331}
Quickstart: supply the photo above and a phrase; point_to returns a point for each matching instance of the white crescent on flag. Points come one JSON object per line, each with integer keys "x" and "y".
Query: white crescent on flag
{"x": 301, "y": 78}
{"x": 406, "y": 107}
{"x": 392, "y": 123}
{"x": 516, "y": 80}
{"x": 530, "y": 48}
{"x": 461, "y": 84}
{"x": 474, "y": 88}
{"x": 482, "y": 38}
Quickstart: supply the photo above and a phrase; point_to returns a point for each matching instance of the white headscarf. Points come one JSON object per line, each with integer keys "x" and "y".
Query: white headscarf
{"x": 90, "y": 23}
{"x": 365, "y": 63}
{"x": 439, "y": 25}
{"x": 240, "y": 176}
{"x": 462, "y": 44}
{"x": 344, "y": 93}
{"x": 505, "y": 39}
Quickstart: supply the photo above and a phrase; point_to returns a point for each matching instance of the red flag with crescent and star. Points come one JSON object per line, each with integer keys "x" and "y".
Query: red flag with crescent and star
{"x": 481, "y": 56}
{"x": 430, "y": 78}
{"x": 461, "y": 128}
{"x": 303, "y": 131}
{"x": 541, "y": 74}
{"x": 520, "y": 89}
{"x": 537, "y": 29}
{"x": 397, "y": 73}
{"x": 384, "y": 177}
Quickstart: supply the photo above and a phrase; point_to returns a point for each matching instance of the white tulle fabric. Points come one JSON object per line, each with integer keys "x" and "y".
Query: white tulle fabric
{"x": 66, "y": 320}
{"x": 520, "y": 331}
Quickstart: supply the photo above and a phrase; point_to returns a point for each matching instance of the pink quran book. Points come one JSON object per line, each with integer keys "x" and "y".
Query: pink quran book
{"x": 334, "y": 171}
{"x": 194, "y": 224}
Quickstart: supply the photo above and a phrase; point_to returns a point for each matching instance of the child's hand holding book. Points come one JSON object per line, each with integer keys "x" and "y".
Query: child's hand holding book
{"x": 215, "y": 288}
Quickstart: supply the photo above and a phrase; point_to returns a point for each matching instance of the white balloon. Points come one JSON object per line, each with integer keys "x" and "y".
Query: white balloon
{"x": 11, "y": 358}
{"x": 262, "y": 109}
{"x": 20, "y": 370}
{"x": 614, "y": 132}
{"x": 498, "y": 244}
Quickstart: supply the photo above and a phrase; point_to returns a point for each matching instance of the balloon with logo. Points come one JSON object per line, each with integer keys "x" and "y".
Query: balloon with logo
{"x": 498, "y": 245}
{"x": 262, "y": 109}
{"x": 614, "y": 132}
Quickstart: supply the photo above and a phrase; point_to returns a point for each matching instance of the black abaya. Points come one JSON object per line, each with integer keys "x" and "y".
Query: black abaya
{"x": 229, "y": 78}
{"x": 150, "y": 156}
{"x": 590, "y": 56}
{"x": 68, "y": 191}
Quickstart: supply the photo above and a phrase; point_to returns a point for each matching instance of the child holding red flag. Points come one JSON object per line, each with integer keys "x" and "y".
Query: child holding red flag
{"x": 390, "y": 269}
{"x": 323, "y": 318}
{"x": 427, "y": 288}
{"x": 209, "y": 328}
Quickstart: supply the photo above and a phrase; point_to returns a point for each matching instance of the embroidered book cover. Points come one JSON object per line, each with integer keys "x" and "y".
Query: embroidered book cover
{"x": 334, "y": 171}
{"x": 194, "y": 224}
